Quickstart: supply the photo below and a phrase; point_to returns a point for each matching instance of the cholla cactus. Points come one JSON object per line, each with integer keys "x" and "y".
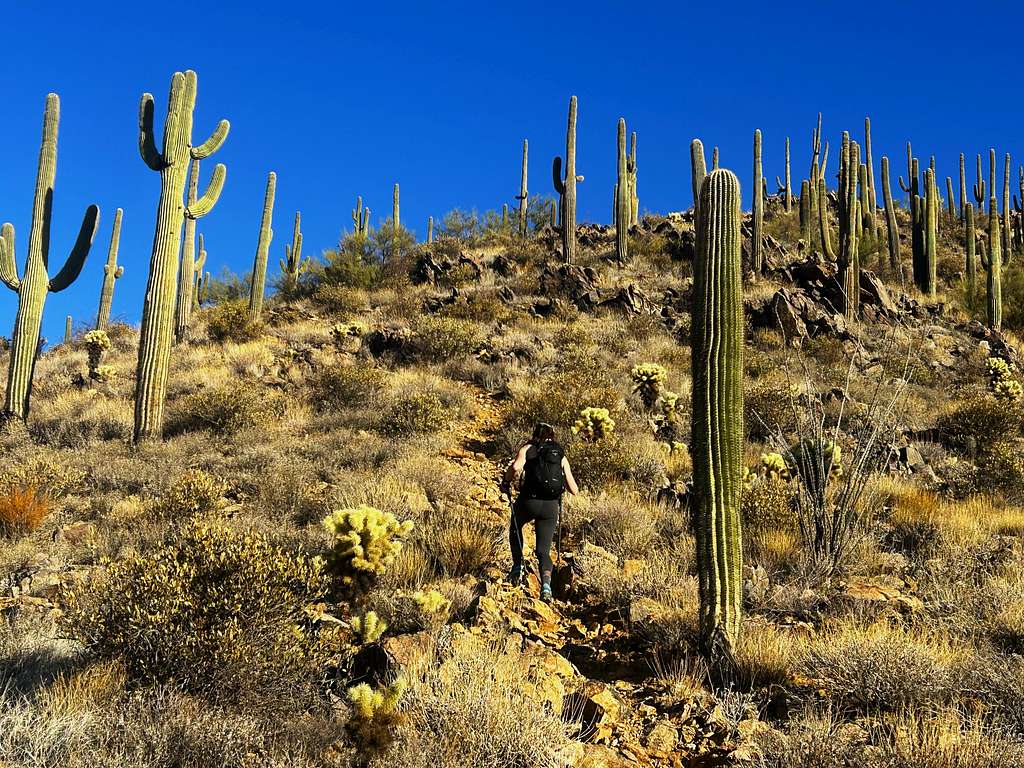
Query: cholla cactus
{"x": 773, "y": 467}
{"x": 96, "y": 343}
{"x": 375, "y": 714}
{"x": 343, "y": 333}
{"x": 104, "y": 373}
{"x": 648, "y": 379}
{"x": 369, "y": 628}
{"x": 366, "y": 542}
{"x": 1001, "y": 380}
{"x": 594, "y": 424}
{"x": 669, "y": 403}
{"x": 432, "y": 602}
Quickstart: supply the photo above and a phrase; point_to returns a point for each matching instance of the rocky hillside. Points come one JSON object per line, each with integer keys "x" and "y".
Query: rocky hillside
{"x": 308, "y": 569}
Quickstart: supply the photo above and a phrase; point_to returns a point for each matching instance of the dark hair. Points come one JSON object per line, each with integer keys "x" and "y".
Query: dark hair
{"x": 543, "y": 433}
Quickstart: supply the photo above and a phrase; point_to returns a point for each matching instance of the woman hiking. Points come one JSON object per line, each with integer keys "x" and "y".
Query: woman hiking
{"x": 546, "y": 475}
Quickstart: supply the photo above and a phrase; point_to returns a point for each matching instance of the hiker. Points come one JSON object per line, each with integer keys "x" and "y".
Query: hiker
{"x": 546, "y": 475}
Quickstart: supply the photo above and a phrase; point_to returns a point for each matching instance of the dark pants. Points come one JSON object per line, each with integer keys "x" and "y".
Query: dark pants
{"x": 544, "y": 514}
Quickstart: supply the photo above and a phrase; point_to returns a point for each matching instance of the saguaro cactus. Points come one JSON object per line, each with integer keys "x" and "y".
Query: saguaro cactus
{"x": 1006, "y": 229}
{"x": 788, "y": 188}
{"x": 197, "y": 296}
{"x": 634, "y": 200}
{"x": 566, "y": 186}
{"x": 111, "y": 272}
{"x": 158, "y": 311}
{"x": 698, "y": 170}
{"x": 757, "y": 233}
{"x": 848, "y": 259}
{"x": 359, "y": 218}
{"x": 950, "y": 201}
{"x": 805, "y": 213}
{"x": 622, "y": 199}
{"x": 259, "y": 265}
{"x": 35, "y": 283}
{"x": 963, "y": 190}
{"x": 291, "y": 264}
{"x": 969, "y": 243}
{"x": 68, "y": 333}
{"x": 396, "y": 220}
{"x": 523, "y": 197}
{"x": 979, "y": 189}
{"x": 430, "y": 229}
{"x": 187, "y": 265}
{"x": 869, "y": 196}
{"x": 717, "y": 430}
{"x": 993, "y": 264}
{"x": 890, "y": 219}
{"x": 931, "y": 225}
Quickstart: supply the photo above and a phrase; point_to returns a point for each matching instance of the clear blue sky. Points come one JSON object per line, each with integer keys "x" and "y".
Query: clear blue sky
{"x": 347, "y": 98}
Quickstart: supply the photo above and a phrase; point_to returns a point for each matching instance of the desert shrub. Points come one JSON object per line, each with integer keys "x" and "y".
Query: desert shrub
{"x": 767, "y": 504}
{"x": 597, "y": 463}
{"x": 558, "y": 398}
{"x": 981, "y": 419}
{"x": 353, "y": 265}
{"x": 444, "y": 338}
{"x": 366, "y": 542}
{"x": 340, "y": 299}
{"x": 239, "y": 404}
{"x": 22, "y": 510}
{"x": 478, "y": 707}
{"x": 229, "y": 321}
{"x": 624, "y": 524}
{"x": 196, "y": 493}
{"x": 341, "y": 386}
{"x": 218, "y": 612}
{"x": 48, "y": 476}
{"x": 413, "y": 414}
{"x": 768, "y": 411}
{"x": 881, "y": 668}
{"x": 460, "y": 543}
{"x": 1001, "y": 470}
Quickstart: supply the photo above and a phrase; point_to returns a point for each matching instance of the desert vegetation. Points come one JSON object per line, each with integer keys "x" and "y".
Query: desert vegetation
{"x": 266, "y": 528}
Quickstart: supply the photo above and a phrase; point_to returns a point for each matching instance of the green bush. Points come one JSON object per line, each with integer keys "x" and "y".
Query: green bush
{"x": 413, "y": 414}
{"x": 354, "y": 264}
{"x": 228, "y": 408}
{"x": 340, "y": 299}
{"x": 229, "y": 321}
{"x": 560, "y": 397}
{"x": 343, "y": 386}
{"x": 444, "y": 338}
{"x": 218, "y": 612}
{"x": 595, "y": 464}
{"x": 195, "y": 494}
{"x": 982, "y": 418}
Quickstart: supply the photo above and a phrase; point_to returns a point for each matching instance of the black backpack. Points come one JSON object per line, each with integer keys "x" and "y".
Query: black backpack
{"x": 542, "y": 476}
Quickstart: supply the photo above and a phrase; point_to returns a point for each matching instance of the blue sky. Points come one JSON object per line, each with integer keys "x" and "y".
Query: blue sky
{"x": 347, "y": 98}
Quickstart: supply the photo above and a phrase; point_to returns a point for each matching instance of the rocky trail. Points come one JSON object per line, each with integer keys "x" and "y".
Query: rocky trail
{"x": 586, "y": 664}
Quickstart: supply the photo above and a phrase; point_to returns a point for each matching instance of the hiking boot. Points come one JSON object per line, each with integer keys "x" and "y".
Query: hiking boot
{"x": 545, "y": 593}
{"x": 515, "y": 576}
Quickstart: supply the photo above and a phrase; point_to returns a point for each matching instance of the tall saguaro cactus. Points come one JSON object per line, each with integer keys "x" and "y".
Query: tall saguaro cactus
{"x": 890, "y": 219}
{"x": 187, "y": 265}
{"x": 993, "y": 264}
{"x": 979, "y": 189}
{"x": 788, "y": 188}
{"x": 35, "y": 283}
{"x": 172, "y": 163}
{"x": 291, "y": 264}
{"x": 111, "y": 272}
{"x": 634, "y": 200}
{"x": 259, "y": 264}
{"x": 931, "y": 227}
{"x": 622, "y": 199}
{"x": 566, "y": 186}
{"x": 969, "y": 243}
{"x": 757, "y": 233}
{"x": 848, "y": 259}
{"x": 870, "y": 196}
{"x": 963, "y": 190}
{"x": 698, "y": 170}
{"x": 197, "y": 282}
{"x": 717, "y": 429}
{"x": 523, "y": 197}
{"x": 430, "y": 229}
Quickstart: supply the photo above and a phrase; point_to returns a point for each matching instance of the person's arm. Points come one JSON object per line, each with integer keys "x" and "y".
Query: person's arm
{"x": 570, "y": 481}
{"x": 515, "y": 469}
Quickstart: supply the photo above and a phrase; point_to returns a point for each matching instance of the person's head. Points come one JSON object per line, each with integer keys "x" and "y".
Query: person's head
{"x": 543, "y": 433}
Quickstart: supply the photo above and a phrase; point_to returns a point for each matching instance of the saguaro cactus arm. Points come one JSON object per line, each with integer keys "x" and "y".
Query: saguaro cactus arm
{"x": 8, "y": 270}
{"x": 205, "y": 204}
{"x": 76, "y": 260}
{"x": 212, "y": 144}
{"x": 147, "y": 140}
